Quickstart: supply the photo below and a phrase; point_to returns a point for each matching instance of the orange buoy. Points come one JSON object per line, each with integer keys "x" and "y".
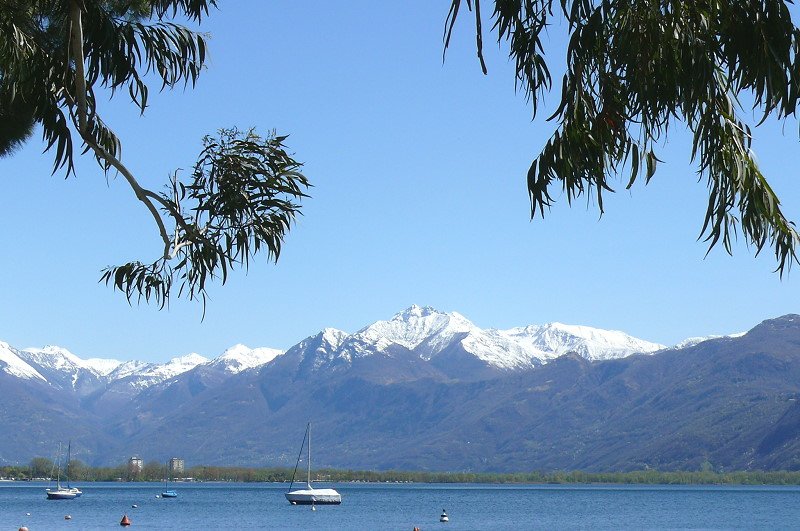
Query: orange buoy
{"x": 23, "y": 529}
{"x": 125, "y": 521}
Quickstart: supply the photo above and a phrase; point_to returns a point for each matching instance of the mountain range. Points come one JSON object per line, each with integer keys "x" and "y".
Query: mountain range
{"x": 424, "y": 390}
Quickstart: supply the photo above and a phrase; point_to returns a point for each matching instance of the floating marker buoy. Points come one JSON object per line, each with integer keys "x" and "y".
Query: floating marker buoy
{"x": 23, "y": 528}
{"x": 125, "y": 522}
{"x": 444, "y": 517}
{"x": 68, "y": 517}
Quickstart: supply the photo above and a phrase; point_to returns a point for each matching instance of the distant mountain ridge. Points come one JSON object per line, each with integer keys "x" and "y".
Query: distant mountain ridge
{"x": 425, "y": 331}
{"x": 424, "y": 390}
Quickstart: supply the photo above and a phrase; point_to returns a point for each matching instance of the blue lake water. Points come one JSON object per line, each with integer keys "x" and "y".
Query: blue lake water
{"x": 404, "y": 506}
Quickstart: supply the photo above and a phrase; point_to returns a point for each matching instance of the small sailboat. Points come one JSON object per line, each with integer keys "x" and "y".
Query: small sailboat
{"x": 168, "y": 493}
{"x": 310, "y": 495}
{"x": 60, "y": 492}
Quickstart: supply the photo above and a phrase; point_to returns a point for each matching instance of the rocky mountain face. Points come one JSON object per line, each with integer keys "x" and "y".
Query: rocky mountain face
{"x": 425, "y": 390}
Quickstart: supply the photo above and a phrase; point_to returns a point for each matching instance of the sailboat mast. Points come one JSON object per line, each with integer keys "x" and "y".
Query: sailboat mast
{"x": 58, "y": 468}
{"x": 309, "y": 454}
{"x": 69, "y": 457}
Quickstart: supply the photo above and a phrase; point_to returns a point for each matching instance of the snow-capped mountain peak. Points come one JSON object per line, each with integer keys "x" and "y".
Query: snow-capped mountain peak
{"x": 332, "y": 338}
{"x": 61, "y": 359}
{"x": 53, "y": 357}
{"x": 447, "y": 340}
{"x": 415, "y": 311}
{"x": 241, "y": 357}
{"x": 154, "y": 372}
{"x": 128, "y": 368}
{"x": 141, "y": 375}
{"x": 555, "y": 339}
{"x": 185, "y": 363}
{"x": 423, "y": 329}
{"x": 323, "y": 350}
{"x": 430, "y": 333}
{"x": 16, "y": 366}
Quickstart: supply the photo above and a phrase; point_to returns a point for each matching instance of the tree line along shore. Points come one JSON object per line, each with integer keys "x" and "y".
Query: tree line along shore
{"x": 43, "y": 469}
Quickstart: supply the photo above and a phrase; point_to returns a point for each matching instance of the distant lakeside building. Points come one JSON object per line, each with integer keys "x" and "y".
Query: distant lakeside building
{"x": 176, "y": 466}
{"x": 135, "y": 465}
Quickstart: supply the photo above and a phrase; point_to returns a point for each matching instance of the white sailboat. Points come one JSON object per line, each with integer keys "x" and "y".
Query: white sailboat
{"x": 310, "y": 495}
{"x": 61, "y": 492}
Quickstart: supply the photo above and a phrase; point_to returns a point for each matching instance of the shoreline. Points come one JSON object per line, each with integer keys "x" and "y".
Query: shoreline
{"x": 213, "y": 474}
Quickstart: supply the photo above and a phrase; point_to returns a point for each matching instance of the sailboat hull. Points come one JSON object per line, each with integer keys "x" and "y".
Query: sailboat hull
{"x": 63, "y": 494}
{"x": 314, "y": 497}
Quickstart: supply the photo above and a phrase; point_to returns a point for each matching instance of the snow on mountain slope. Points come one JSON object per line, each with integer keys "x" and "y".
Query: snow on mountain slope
{"x": 497, "y": 350}
{"x": 429, "y": 332}
{"x": 102, "y": 366}
{"x": 552, "y": 340}
{"x": 332, "y": 339}
{"x": 424, "y": 330}
{"x": 126, "y": 369}
{"x": 692, "y": 341}
{"x": 60, "y": 367}
{"x": 61, "y": 359}
{"x": 16, "y": 366}
{"x": 154, "y": 373}
{"x": 325, "y": 349}
{"x": 241, "y": 357}
{"x": 177, "y": 366}
{"x": 433, "y": 335}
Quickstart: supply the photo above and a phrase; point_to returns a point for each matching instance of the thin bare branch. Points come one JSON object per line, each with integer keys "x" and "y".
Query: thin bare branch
{"x": 479, "y": 36}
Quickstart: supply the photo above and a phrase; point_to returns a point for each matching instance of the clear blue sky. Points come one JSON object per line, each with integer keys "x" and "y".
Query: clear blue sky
{"x": 419, "y": 197}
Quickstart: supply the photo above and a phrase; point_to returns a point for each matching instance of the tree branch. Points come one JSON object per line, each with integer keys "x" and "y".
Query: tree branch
{"x": 479, "y": 36}
{"x": 142, "y": 194}
{"x": 76, "y": 40}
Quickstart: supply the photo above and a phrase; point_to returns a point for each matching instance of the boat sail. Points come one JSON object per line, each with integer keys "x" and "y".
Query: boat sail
{"x": 310, "y": 495}
{"x": 60, "y": 492}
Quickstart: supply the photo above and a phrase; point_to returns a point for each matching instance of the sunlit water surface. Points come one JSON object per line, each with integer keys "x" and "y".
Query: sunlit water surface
{"x": 405, "y": 506}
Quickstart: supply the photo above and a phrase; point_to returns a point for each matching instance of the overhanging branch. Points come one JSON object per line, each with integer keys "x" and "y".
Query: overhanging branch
{"x": 142, "y": 194}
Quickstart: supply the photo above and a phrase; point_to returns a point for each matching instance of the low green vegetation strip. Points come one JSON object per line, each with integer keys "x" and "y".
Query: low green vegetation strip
{"x": 155, "y": 472}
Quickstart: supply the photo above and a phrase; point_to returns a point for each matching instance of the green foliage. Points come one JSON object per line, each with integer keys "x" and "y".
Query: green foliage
{"x": 635, "y": 68}
{"x": 242, "y": 197}
{"x": 41, "y": 467}
{"x": 39, "y": 69}
{"x": 77, "y": 470}
{"x": 16, "y": 126}
{"x": 152, "y": 471}
{"x": 244, "y": 191}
